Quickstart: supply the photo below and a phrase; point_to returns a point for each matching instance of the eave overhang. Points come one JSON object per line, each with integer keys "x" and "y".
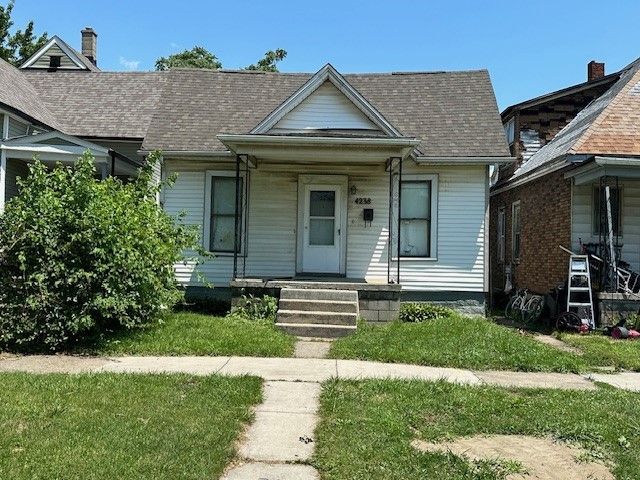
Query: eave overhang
{"x": 421, "y": 160}
{"x": 317, "y": 148}
{"x": 598, "y": 167}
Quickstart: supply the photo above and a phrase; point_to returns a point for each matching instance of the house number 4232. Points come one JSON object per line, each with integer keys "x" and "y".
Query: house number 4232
{"x": 363, "y": 201}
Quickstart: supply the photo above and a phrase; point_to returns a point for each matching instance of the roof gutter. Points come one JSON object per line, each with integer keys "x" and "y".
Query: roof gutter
{"x": 464, "y": 160}
{"x": 228, "y": 139}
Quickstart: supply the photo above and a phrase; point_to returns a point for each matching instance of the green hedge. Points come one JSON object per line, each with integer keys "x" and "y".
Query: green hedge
{"x": 421, "y": 312}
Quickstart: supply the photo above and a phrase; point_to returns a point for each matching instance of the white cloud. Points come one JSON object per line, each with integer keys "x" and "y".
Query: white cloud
{"x": 174, "y": 46}
{"x": 129, "y": 64}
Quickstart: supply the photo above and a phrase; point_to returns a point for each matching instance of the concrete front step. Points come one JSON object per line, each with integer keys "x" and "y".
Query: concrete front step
{"x": 316, "y": 318}
{"x": 316, "y": 330}
{"x": 318, "y": 294}
{"x": 338, "y": 306}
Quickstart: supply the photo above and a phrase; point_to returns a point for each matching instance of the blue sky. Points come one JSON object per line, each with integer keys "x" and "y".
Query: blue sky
{"x": 528, "y": 47}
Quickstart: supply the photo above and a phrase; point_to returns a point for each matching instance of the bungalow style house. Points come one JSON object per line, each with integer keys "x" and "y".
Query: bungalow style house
{"x": 570, "y": 145}
{"x": 354, "y": 187}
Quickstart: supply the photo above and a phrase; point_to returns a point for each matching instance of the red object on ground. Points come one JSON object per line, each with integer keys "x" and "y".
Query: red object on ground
{"x": 634, "y": 334}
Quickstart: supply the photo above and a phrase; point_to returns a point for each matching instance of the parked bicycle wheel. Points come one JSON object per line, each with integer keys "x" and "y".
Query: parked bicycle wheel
{"x": 533, "y": 309}
{"x": 513, "y": 310}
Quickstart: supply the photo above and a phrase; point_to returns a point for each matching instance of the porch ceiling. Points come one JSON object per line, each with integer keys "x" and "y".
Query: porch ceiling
{"x": 316, "y": 149}
{"x": 622, "y": 167}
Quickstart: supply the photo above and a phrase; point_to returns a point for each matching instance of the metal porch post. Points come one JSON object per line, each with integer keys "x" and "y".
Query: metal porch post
{"x": 389, "y": 242}
{"x": 245, "y": 216}
{"x": 237, "y": 220}
{"x": 399, "y": 215}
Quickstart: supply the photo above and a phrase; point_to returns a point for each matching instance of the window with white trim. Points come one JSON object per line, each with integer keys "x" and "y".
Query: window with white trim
{"x": 417, "y": 216}
{"x": 515, "y": 231}
{"x": 501, "y": 233}
{"x": 220, "y": 212}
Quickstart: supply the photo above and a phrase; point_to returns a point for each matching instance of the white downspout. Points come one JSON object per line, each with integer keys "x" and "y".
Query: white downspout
{"x": 3, "y": 163}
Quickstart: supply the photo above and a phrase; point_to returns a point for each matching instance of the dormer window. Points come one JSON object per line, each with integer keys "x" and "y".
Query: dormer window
{"x": 54, "y": 61}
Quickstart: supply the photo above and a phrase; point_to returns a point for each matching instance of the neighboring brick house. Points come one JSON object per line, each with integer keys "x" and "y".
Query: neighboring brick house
{"x": 567, "y": 144}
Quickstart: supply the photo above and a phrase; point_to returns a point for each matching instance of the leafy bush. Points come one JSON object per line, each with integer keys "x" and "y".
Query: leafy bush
{"x": 421, "y": 312}
{"x": 256, "y": 308}
{"x": 79, "y": 256}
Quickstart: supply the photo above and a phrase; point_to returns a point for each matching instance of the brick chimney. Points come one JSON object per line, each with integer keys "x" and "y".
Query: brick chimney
{"x": 595, "y": 70}
{"x": 89, "y": 44}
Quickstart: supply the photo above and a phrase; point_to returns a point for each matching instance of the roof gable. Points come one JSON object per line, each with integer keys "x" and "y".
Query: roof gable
{"x": 316, "y": 82}
{"x": 56, "y": 47}
{"x": 327, "y": 108}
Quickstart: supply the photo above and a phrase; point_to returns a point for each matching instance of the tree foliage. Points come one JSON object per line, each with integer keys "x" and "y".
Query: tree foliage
{"x": 270, "y": 61}
{"x": 18, "y": 46}
{"x": 200, "y": 57}
{"x": 197, "y": 57}
{"x": 79, "y": 256}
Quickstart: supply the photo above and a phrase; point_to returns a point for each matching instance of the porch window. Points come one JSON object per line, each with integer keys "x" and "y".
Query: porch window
{"x": 220, "y": 211}
{"x": 415, "y": 219}
{"x": 515, "y": 231}
{"x": 501, "y": 234}
{"x": 600, "y": 222}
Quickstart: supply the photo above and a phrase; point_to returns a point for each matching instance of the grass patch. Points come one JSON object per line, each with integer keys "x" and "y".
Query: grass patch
{"x": 366, "y": 426}
{"x": 121, "y": 426}
{"x": 603, "y": 351}
{"x": 197, "y": 334}
{"x": 456, "y": 341}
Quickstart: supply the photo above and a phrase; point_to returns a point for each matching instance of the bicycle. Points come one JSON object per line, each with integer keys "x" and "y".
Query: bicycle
{"x": 524, "y": 307}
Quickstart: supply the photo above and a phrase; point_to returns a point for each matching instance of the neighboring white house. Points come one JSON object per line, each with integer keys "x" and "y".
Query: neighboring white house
{"x": 372, "y": 179}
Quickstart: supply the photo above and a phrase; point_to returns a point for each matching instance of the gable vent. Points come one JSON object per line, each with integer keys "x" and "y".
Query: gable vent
{"x": 54, "y": 62}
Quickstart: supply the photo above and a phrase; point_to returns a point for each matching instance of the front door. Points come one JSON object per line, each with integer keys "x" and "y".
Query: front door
{"x": 322, "y": 227}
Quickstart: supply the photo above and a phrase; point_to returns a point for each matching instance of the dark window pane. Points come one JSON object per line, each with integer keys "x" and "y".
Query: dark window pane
{"x": 322, "y": 203}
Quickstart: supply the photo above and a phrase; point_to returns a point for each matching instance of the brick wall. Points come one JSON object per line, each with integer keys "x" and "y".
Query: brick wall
{"x": 545, "y": 217}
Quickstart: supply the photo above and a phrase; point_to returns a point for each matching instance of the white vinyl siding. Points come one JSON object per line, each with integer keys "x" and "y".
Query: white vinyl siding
{"x": 326, "y": 108}
{"x": 65, "y": 62}
{"x": 272, "y": 224}
{"x": 582, "y": 219}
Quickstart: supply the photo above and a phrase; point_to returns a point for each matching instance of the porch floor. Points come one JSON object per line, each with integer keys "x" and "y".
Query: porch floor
{"x": 316, "y": 282}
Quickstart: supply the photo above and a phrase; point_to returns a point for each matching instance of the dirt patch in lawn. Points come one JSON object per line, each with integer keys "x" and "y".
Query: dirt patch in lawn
{"x": 540, "y": 458}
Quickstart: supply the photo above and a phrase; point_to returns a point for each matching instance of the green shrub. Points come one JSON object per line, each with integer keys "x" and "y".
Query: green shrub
{"x": 421, "y": 312}
{"x": 79, "y": 256}
{"x": 256, "y": 308}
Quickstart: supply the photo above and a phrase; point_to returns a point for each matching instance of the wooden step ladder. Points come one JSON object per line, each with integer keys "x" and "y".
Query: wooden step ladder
{"x": 579, "y": 285}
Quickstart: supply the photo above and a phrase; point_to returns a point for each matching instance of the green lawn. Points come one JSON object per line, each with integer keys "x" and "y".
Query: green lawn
{"x": 121, "y": 426}
{"x": 366, "y": 426}
{"x": 599, "y": 350}
{"x": 197, "y": 334}
{"x": 456, "y": 341}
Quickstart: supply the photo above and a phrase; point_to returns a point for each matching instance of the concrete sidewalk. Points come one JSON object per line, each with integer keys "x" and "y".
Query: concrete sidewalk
{"x": 311, "y": 370}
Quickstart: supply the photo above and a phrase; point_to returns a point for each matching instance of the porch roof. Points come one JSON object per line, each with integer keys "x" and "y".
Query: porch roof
{"x": 52, "y": 146}
{"x": 597, "y": 167}
{"x": 301, "y": 148}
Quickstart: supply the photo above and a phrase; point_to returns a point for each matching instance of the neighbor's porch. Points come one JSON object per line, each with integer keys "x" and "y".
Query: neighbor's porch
{"x": 52, "y": 148}
{"x": 605, "y": 221}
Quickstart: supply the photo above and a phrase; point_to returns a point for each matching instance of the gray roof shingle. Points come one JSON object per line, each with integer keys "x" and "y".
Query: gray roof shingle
{"x": 17, "y": 93}
{"x": 100, "y": 104}
{"x": 451, "y": 113}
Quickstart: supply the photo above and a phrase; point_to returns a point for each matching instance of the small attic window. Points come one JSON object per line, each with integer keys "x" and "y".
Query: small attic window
{"x": 54, "y": 61}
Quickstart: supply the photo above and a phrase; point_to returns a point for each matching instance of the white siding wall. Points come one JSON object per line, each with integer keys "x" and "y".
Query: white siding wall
{"x": 273, "y": 217}
{"x": 582, "y": 219}
{"x": 44, "y": 60}
{"x": 327, "y": 107}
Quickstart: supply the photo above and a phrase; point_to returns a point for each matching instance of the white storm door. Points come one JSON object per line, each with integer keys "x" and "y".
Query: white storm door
{"x": 322, "y": 229}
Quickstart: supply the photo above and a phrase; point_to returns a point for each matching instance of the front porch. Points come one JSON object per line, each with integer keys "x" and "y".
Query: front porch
{"x": 377, "y": 302}
{"x": 605, "y": 222}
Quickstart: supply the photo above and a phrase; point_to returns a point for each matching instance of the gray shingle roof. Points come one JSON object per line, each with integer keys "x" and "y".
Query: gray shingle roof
{"x": 17, "y": 93}
{"x": 100, "y": 104}
{"x": 451, "y": 113}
